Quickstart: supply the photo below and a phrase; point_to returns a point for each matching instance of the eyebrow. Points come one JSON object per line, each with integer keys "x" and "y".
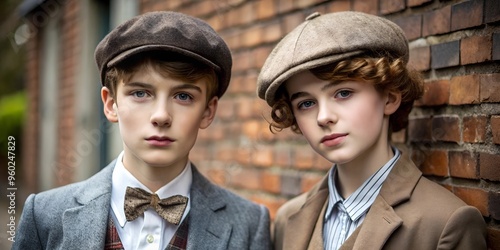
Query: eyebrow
{"x": 302, "y": 94}
{"x": 175, "y": 88}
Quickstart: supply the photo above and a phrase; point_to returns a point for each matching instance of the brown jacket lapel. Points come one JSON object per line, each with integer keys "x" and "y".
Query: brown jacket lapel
{"x": 309, "y": 219}
{"x": 304, "y": 227}
{"x": 381, "y": 220}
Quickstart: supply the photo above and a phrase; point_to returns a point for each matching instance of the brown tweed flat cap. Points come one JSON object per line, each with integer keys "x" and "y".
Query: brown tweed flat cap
{"x": 166, "y": 31}
{"x": 325, "y": 39}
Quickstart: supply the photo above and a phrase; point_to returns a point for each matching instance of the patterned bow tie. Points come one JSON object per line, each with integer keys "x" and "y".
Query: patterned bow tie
{"x": 138, "y": 200}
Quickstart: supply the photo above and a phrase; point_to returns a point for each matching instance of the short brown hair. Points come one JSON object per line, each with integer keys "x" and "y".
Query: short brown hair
{"x": 385, "y": 73}
{"x": 173, "y": 65}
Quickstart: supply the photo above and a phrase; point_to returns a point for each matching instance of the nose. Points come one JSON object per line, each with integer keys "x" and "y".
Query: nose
{"x": 161, "y": 116}
{"x": 326, "y": 114}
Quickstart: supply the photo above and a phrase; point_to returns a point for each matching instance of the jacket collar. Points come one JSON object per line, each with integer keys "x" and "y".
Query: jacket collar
{"x": 380, "y": 222}
{"x": 91, "y": 217}
{"x": 206, "y": 203}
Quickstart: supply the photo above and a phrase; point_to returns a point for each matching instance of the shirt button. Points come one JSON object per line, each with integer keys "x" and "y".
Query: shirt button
{"x": 150, "y": 238}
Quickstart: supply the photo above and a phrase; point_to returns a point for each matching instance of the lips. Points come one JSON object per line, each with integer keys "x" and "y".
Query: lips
{"x": 159, "y": 141}
{"x": 333, "y": 139}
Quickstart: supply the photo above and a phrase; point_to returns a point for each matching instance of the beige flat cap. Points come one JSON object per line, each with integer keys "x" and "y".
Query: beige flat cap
{"x": 325, "y": 39}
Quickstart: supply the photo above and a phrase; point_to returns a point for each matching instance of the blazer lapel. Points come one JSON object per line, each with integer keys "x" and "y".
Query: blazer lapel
{"x": 310, "y": 221}
{"x": 85, "y": 225}
{"x": 381, "y": 220}
{"x": 205, "y": 226}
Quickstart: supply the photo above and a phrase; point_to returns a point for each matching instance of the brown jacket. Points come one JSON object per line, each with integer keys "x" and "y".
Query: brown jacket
{"x": 410, "y": 212}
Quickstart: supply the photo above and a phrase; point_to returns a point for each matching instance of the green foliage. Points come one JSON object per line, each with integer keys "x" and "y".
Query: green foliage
{"x": 12, "y": 112}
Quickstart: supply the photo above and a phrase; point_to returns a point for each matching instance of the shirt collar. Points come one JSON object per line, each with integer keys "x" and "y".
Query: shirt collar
{"x": 122, "y": 178}
{"x": 361, "y": 200}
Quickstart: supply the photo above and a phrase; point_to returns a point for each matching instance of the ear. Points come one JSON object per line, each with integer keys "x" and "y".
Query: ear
{"x": 393, "y": 100}
{"x": 109, "y": 105}
{"x": 209, "y": 113}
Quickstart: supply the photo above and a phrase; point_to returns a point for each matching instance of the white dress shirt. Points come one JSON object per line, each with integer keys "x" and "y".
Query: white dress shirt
{"x": 148, "y": 231}
{"x": 342, "y": 217}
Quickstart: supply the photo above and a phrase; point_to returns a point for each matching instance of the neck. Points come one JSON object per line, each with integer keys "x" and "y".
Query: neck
{"x": 153, "y": 177}
{"x": 351, "y": 175}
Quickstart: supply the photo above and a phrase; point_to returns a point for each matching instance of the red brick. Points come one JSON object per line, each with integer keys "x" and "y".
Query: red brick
{"x": 242, "y": 61}
{"x": 224, "y": 153}
{"x": 245, "y": 178}
{"x": 252, "y": 36}
{"x": 301, "y": 4}
{"x": 493, "y": 238}
{"x": 391, "y": 6}
{"x": 475, "y": 49}
{"x": 285, "y": 6}
{"x": 290, "y": 184}
{"x": 474, "y": 129}
{"x": 246, "y": 13}
{"x": 463, "y": 164}
{"x": 271, "y": 182}
{"x": 225, "y": 109}
{"x": 420, "y": 129}
{"x": 291, "y": 21}
{"x": 244, "y": 108}
{"x": 260, "y": 55}
{"x": 475, "y": 197}
{"x": 496, "y": 46}
{"x": 366, "y": 6}
{"x": 491, "y": 11}
{"x": 446, "y": 128}
{"x": 413, "y": 3}
{"x": 466, "y": 14}
{"x": 202, "y": 8}
{"x": 464, "y": 90}
{"x": 216, "y": 175}
{"x": 490, "y": 87}
{"x": 266, "y": 9}
{"x": 445, "y": 55}
{"x": 437, "y": 21}
{"x": 283, "y": 156}
{"x": 488, "y": 166}
{"x": 270, "y": 202}
{"x": 320, "y": 163}
{"x": 272, "y": 32}
{"x": 263, "y": 157}
{"x": 435, "y": 93}
{"x": 494, "y": 205}
{"x": 339, "y": 5}
{"x": 244, "y": 155}
{"x": 412, "y": 26}
{"x": 435, "y": 162}
{"x": 309, "y": 180}
{"x": 495, "y": 128}
{"x": 303, "y": 157}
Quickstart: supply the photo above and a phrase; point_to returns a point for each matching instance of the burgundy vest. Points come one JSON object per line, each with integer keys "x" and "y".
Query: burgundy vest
{"x": 178, "y": 242}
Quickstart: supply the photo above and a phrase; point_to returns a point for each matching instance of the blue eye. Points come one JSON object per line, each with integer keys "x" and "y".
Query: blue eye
{"x": 343, "y": 94}
{"x": 305, "y": 104}
{"x": 183, "y": 97}
{"x": 139, "y": 94}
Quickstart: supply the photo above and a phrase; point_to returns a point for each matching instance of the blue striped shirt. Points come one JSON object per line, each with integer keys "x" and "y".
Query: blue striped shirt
{"x": 342, "y": 217}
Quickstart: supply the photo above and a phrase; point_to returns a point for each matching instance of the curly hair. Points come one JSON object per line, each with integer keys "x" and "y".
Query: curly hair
{"x": 385, "y": 73}
{"x": 170, "y": 65}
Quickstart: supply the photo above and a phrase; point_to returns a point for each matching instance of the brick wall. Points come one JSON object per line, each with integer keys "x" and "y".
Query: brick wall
{"x": 454, "y": 130}
{"x": 71, "y": 50}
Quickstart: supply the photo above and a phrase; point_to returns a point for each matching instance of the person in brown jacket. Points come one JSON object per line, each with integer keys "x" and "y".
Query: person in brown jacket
{"x": 341, "y": 80}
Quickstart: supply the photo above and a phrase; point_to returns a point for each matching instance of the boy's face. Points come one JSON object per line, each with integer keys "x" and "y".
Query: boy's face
{"x": 341, "y": 121}
{"x": 159, "y": 118}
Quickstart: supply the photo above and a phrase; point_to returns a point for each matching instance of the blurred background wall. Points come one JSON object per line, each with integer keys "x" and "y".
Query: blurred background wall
{"x": 49, "y": 76}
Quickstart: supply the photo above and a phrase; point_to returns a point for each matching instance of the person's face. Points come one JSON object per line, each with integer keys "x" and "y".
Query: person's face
{"x": 341, "y": 121}
{"x": 158, "y": 117}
